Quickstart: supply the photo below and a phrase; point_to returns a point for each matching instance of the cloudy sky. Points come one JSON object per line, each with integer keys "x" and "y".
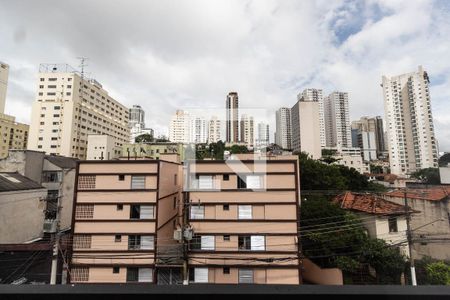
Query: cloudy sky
{"x": 167, "y": 55}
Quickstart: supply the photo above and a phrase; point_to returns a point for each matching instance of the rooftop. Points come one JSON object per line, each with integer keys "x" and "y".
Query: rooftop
{"x": 16, "y": 182}
{"x": 436, "y": 193}
{"x": 368, "y": 203}
{"x": 62, "y": 161}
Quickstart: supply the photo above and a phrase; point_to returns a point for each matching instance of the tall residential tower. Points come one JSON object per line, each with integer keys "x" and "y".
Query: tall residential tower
{"x": 283, "y": 128}
{"x": 232, "y": 118}
{"x": 337, "y": 120}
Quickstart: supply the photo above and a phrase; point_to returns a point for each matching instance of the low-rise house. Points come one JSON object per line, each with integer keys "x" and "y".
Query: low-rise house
{"x": 381, "y": 218}
{"x": 21, "y": 209}
{"x": 153, "y": 150}
{"x": 430, "y": 227}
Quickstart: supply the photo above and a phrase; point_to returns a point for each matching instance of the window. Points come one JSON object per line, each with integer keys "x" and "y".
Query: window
{"x": 119, "y": 206}
{"x": 86, "y": 182}
{"x": 51, "y": 176}
{"x": 82, "y": 241}
{"x": 244, "y": 243}
{"x": 138, "y": 242}
{"x": 226, "y": 270}
{"x": 253, "y": 182}
{"x": 207, "y": 242}
{"x": 134, "y": 242}
{"x": 244, "y": 212}
{"x": 84, "y": 211}
{"x": 197, "y": 212}
{"x": 199, "y": 275}
{"x": 226, "y": 207}
{"x": 121, "y": 177}
{"x": 254, "y": 243}
{"x": 226, "y": 238}
{"x": 135, "y": 211}
{"x": 205, "y": 182}
{"x": 139, "y": 275}
{"x": 79, "y": 274}
{"x": 226, "y": 177}
{"x": 117, "y": 238}
{"x": 116, "y": 270}
{"x": 147, "y": 212}
{"x": 241, "y": 183}
{"x": 245, "y": 276}
{"x": 137, "y": 182}
{"x": 392, "y": 224}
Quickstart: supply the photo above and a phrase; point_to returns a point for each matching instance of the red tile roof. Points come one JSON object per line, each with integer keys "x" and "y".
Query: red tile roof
{"x": 436, "y": 193}
{"x": 369, "y": 203}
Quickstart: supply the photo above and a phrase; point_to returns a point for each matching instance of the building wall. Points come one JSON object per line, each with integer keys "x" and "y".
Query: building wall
{"x": 14, "y": 135}
{"x": 25, "y": 162}
{"x": 102, "y": 147}
{"x": 444, "y": 173}
{"x": 232, "y": 118}
{"x": 59, "y": 109}
{"x": 21, "y": 215}
{"x": 4, "y": 73}
{"x": 337, "y": 120}
{"x": 409, "y": 121}
{"x": 153, "y": 150}
{"x": 283, "y": 128}
{"x": 215, "y": 130}
{"x": 305, "y": 126}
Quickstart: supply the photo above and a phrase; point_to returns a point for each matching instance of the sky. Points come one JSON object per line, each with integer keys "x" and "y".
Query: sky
{"x": 169, "y": 55}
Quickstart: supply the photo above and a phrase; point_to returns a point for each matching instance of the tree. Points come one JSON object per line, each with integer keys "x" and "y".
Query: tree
{"x": 438, "y": 273}
{"x": 428, "y": 175}
{"x": 444, "y": 160}
{"x": 161, "y": 139}
{"x": 144, "y": 138}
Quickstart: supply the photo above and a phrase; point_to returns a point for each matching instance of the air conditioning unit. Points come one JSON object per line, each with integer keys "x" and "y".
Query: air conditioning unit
{"x": 49, "y": 226}
{"x": 177, "y": 235}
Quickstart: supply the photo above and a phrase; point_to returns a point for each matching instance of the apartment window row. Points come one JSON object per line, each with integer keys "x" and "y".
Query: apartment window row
{"x": 135, "y": 242}
{"x": 88, "y": 181}
{"x": 201, "y": 275}
{"x": 245, "y": 242}
{"x": 245, "y": 212}
{"x": 137, "y": 211}
{"x": 134, "y": 274}
{"x": 205, "y": 182}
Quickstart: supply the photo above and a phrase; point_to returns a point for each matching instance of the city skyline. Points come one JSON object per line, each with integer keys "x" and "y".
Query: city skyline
{"x": 343, "y": 53}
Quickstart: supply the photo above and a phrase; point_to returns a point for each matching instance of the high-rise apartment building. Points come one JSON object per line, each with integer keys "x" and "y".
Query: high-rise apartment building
{"x": 247, "y": 130}
{"x": 136, "y": 123}
{"x": 283, "y": 128}
{"x": 199, "y": 130}
{"x": 68, "y": 108}
{"x": 337, "y": 120}
{"x": 14, "y": 135}
{"x": 125, "y": 213}
{"x": 244, "y": 215}
{"x": 262, "y": 139}
{"x": 214, "y": 130}
{"x": 4, "y": 73}
{"x": 316, "y": 95}
{"x": 305, "y": 127}
{"x": 411, "y": 141}
{"x": 180, "y": 127}
{"x": 368, "y": 134}
{"x": 232, "y": 118}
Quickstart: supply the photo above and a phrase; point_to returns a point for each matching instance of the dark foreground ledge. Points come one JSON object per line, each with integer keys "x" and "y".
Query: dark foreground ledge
{"x": 114, "y": 291}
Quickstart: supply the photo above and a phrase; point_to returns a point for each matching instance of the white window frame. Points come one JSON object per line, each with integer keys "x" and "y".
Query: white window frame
{"x": 246, "y": 276}
{"x": 197, "y": 212}
{"x": 147, "y": 242}
{"x": 258, "y": 243}
{"x": 201, "y": 275}
{"x": 147, "y": 212}
{"x": 208, "y": 242}
{"x": 253, "y": 181}
{"x": 245, "y": 212}
{"x": 145, "y": 275}
{"x": 205, "y": 182}
{"x": 140, "y": 184}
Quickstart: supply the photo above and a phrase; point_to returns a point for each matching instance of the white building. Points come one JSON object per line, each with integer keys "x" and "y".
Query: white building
{"x": 180, "y": 127}
{"x": 102, "y": 147}
{"x": 444, "y": 174}
{"x": 407, "y": 104}
{"x": 337, "y": 120}
{"x": 316, "y": 95}
{"x": 136, "y": 123}
{"x": 4, "y": 73}
{"x": 247, "y": 130}
{"x": 367, "y": 143}
{"x": 199, "y": 130}
{"x": 214, "y": 130}
{"x": 232, "y": 117}
{"x": 305, "y": 127}
{"x": 365, "y": 125}
{"x": 283, "y": 128}
{"x": 262, "y": 139}
{"x": 62, "y": 118}
{"x": 350, "y": 157}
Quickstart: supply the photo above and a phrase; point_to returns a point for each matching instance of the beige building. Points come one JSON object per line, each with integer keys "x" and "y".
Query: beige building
{"x": 125, "y": 215}
{"x": 350, "y": 157}
{"x": 306, "y": 127}
{"x": 4, "y": 73}
{"x": 283, "y": 133}
{"x": 247, "y": 131}
{"x": 215, "y": 130}
{"x": 244, "y": 215}
{"x": 180, "y": 127}
{"x": 22, "y": 209}
{"x": 153, "y": 150}
{"x": 232, "y": 118}
{"x": 337, "y": 120}
{"x": 316, "y": 95}
{"x": 14, "y": 135}
{"x": 409, "y": 122}
{"x": 102, "y": 147}
{"x": 67, "y": 110}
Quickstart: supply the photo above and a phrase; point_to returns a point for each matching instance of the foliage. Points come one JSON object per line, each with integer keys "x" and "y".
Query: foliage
{"x": 438, "y": 273}
{"x": 211, "y": 151}
{"x": 428, "y": 175}
{"x": 235, "y": 149}
{"x": 315, "y": 175}
{"x": 376, "y": 169}
{"x": 444, "y": 160}
{"x": 161, "y": 139}
{"x": 144, "y": 138}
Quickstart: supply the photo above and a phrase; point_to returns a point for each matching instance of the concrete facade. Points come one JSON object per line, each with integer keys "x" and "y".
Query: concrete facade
{"x": 153, "y": 150}
{"x": 102, "y": 147}
{"x": 337, "y": 120}
{"x": 4, "y": 74}
{"x": 232, "y": 118}
{"x": 14, "y": 135}
{"x": 215, "y": 130}
{"x": 247, "y": 131}
{"x": 283, "y": 134}
{"x": 67, "y": 110}
{"x": 409, "y": 122}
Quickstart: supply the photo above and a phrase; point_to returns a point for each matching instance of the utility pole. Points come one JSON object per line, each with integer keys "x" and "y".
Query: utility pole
{"x": 409, "y": 237}
{"x": 183, "y": 238}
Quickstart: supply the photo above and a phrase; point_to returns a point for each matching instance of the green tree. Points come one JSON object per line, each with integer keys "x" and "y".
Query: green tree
{"x": 161, "y": 139}
{"x": 144, "y": 138}
{"x": 428, "y": 175}
{"x": 438, "y": 273}
{"x": 444, "y": 160}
